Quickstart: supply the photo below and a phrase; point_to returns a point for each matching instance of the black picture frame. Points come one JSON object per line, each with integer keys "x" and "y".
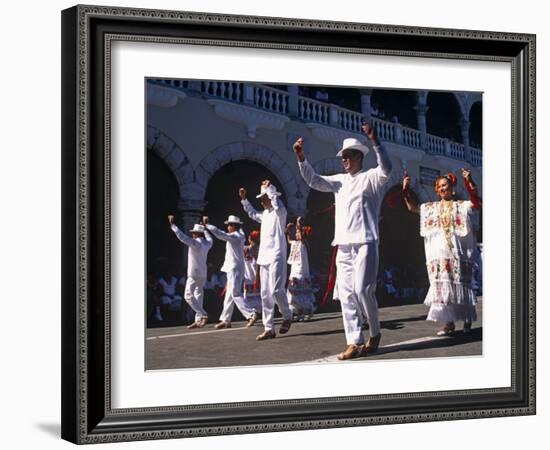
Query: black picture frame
{"x": 87, "y": 415}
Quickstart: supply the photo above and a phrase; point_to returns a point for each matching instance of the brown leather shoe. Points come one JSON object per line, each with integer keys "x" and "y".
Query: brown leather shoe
{"x": 352, "y": 351}
{"x": 285, "y": 326}
{"x": 201, "y": 323}
{"x": 447, "y": 330}
{"x": 372, "y": 344}
{"x": 222, "y": 325}
{"x": 252, "y": 320}
{"x": 267, "y": 334}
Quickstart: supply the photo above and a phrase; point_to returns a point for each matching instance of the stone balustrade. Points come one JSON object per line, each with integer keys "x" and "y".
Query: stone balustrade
{"x": 436, "y": 145}
{"x": 457, "y": 150}
{"x": 278, "y": 101}
{"x": 271, "y": 99}
{"x": 475, "y": 154}
{"x": 226, "y": 90}
{"x": 313, "y": 111}
{"x": 412, "y": 138}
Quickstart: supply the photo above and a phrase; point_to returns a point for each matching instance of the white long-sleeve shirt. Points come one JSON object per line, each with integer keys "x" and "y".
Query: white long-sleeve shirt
{"x": 272, "y": 231}
{"x": 357, "y": 199}
{"x": 234, "y": 248}
{"x": 198, "y": 251}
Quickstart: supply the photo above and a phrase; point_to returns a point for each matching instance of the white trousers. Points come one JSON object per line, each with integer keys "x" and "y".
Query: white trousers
{"x": 194, "y": 296}
{"x": 272, "y": 290}
{"x": 357, "y": 267}
{"x": 234, "y": 296}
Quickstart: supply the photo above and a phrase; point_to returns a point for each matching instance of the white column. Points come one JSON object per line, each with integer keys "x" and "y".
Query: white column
{"x": 421, "y": 110}
{"x": 195, "y": 85}
{"x": 465, "y": 132}
{"x": 293, "y": 100}
{"x": 248, "y": 95}
{"x": 366, "y": 107}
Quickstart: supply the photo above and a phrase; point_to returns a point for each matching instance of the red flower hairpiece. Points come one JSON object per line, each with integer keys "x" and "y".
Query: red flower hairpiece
{"x": 307, "y": 231}
{"x": 452, "y": 178}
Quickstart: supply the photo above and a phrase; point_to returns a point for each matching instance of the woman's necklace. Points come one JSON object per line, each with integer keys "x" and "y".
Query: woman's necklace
{"x": 445, "y": 213}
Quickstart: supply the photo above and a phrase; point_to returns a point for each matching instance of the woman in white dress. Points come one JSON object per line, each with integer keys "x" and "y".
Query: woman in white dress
{"x": 450, "y": 244}
{"x": 300, "y": 295}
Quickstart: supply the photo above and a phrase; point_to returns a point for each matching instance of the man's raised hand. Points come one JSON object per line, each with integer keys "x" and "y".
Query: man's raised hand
{"x": 370, "y": 131}
{"x": 242, "y": 193}
{"x": 298, "y": 148}
{"x": 467, "y": 175}
{"x": 171, "y": 220}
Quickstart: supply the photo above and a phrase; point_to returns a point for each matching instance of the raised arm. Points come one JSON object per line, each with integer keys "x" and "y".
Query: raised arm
{"x": 187, "y": 240}
{"x": 248, "y": 208}
{"x": 222, "y": 235}
{"x": 276, "y": 204}
{"x": 382, "y": 158}
{"x": 208, "y": 238}
{"x": 287, "y": 232}
{"x": 410, "y": 201}
{"x": 312, "y": 178}
{"x": 471, "y": 188}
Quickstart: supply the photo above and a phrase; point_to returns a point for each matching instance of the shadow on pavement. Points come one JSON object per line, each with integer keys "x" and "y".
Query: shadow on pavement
{"x": 312, "y": 333}
{"x": 397, "y": 324}
{"x": 457, "y": 338}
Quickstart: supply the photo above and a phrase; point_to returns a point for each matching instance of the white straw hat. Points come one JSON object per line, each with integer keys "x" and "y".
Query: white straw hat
{"x": 353, "y": 144}
{"x": 233, "y": 219}
{"x": 269, "y": 190}
{"x": 197, "y": 228}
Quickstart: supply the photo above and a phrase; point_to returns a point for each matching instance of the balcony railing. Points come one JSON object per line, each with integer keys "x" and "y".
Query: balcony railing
{"x": 278, "y": 101}
{"x": 313, "y": 111}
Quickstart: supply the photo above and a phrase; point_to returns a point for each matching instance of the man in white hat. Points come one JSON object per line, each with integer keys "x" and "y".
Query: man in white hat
{"x": 199, "y": 245}
{"x": 271, "y": 257}
{"x": 358, "y": 196}
{"x": 233, "y": 266}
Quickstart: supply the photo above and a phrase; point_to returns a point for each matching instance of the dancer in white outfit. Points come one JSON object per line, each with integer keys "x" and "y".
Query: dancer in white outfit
{"x": 358, "y": 195}
{"x": 300, "y": 295}
{"x": 199, "y": 245}
{"x": 271, "y": 257}
{"x": 233, "y": 266}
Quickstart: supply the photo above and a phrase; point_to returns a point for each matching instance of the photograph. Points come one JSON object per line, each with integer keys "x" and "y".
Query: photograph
{"x": 307, "y": 224}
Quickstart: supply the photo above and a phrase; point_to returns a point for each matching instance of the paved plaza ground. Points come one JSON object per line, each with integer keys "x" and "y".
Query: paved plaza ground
{"x": 405, "y": 334}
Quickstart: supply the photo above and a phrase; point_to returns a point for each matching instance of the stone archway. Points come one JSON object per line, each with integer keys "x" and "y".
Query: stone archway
{"x": 177, "y": 163}
{"x": 250, "y": 151}
{"x": 172, "y": 154}
{"x": 221, "y": 198}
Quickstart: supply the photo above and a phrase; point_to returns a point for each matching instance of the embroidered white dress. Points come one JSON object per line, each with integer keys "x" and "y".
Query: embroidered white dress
{"x": 300, "y": 295}
{"x": 449, "y": 261}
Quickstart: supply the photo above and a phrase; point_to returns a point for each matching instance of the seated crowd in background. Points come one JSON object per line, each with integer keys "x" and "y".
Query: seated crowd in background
{"x": 165, "y": 305}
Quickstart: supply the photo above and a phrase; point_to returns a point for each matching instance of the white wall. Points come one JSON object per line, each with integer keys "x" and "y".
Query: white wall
{"x": 30, "y": 229}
